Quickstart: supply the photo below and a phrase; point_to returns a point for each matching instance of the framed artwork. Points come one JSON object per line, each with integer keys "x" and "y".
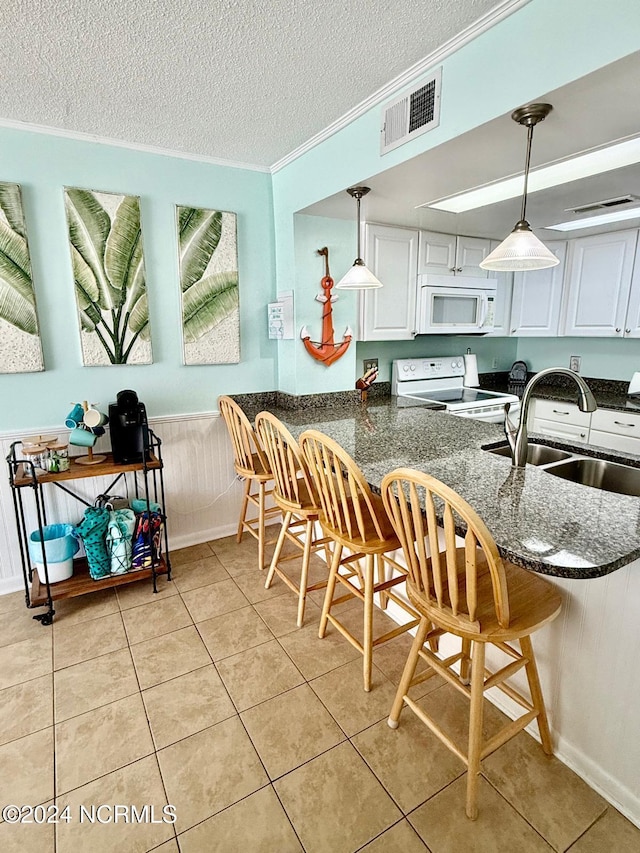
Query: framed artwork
{"x": 105, "y": 238}
{"x": 20, "y": 347}
{"x": 208, "y": 264}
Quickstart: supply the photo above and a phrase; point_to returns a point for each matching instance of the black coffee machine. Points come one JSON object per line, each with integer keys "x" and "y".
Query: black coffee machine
{"x": 129, "y": 429}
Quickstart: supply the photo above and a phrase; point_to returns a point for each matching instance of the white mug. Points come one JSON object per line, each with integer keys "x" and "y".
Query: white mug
{"x": 93, "y": 418}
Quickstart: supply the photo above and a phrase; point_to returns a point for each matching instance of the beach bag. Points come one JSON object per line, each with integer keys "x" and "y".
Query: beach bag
{"x": 146, "y": 540}
{"x": 119, "y": 537}
{"x": 92, "y": 530}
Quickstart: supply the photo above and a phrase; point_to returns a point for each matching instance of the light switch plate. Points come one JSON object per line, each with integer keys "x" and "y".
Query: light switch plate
{"x": 574, "y": 363}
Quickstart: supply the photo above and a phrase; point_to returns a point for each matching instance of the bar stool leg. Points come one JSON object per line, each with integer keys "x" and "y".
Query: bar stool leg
{"x": 465, "y": 663}
{"x": 261, "y": 531}
{"x": 475, "y": 728}
{"x": 331, "y": 585}
{"x": 243, "y": 509}
{"x": 368, "y": 620}
{"x": 304, "y": 574}
{"x": 276, "y": 554}
{"x": 408, "y": 672}
{"x": 536, "y": 694}
{"x": 382, "y": 576}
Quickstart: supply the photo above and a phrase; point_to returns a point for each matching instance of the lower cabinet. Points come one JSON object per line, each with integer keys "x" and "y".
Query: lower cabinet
{"x": 615, "y": 430}
{"x": 603, "y": 428}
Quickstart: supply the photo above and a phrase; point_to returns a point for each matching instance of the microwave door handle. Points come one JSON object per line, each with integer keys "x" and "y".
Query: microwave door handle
{"x": 485, "y": 309}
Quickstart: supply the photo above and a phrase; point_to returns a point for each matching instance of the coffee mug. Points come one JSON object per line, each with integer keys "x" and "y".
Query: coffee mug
{"x": 74, "y": 417}
{"x": 82, "y": 437}
{"x": 98, "y": 430}
{"x": 93, "y": 418}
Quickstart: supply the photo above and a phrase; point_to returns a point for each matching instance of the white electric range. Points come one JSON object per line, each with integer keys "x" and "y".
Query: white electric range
{"x": 439, "y": 382}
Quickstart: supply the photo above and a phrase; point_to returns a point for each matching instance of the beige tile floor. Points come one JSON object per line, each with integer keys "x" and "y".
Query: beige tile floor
{"x": 207, "y": 697}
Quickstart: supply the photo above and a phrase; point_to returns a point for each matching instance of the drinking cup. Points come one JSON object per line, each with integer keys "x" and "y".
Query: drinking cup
{"x": 93, "y": 418}
{"x": 74, "y": 417}
{"x": 82, "y": 437}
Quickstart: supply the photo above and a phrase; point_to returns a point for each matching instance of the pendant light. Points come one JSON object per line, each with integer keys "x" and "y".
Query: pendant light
{"x": 522, "y": 250}
{"x": 359, "y": 276}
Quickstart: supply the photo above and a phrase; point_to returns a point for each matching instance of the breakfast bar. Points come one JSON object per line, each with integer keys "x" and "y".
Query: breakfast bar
{"x": 586, "y": 540}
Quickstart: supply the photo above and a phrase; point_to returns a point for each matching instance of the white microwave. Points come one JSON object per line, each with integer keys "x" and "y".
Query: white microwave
{"x": 461, "y": 305}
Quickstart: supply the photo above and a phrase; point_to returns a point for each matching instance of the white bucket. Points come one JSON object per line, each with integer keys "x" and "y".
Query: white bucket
{"x": 61, "y": 571}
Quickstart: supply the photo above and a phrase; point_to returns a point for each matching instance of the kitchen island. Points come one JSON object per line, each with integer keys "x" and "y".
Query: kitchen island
{"x": 587, "y": 540}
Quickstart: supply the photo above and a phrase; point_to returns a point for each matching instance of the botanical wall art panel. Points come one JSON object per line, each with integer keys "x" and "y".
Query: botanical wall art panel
{"x": 105, "y": 238}
{"x": 208, "y": 261}
{"x": 20, "y": 348}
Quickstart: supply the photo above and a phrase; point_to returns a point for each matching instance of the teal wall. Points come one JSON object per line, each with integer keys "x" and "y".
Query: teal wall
{"x": 602, "y": 358}
{"x": 493, "y": 353}
{"x": 549, "y": 43}
{"x": 43, "y": 165}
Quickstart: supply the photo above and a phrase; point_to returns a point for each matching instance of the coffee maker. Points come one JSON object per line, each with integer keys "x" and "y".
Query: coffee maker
{"x": 129, "y": 429}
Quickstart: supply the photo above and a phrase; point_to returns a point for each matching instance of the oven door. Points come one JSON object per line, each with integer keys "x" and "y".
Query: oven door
{"x": 455, "y": 310}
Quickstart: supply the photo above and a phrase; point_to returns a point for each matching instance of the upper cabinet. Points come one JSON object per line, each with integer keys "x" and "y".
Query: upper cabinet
{"x": 537, "y": 298}
{"x": 447, "y": 254}
{"x": 388, "y": 313}
{"x": 599, "y": 281}
{"x": 504, "y": 296}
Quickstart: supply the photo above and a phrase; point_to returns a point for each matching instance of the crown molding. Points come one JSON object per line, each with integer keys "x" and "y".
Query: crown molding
{"x": 79, "y": 136}
{"x": 490, "y": 19}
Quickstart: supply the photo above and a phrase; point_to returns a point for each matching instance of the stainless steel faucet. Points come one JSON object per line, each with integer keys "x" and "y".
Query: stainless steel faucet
{"x": 517, "y": 435}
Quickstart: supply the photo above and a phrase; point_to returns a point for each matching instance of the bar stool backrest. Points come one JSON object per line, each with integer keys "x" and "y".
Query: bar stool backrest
{"x": 448, "y": 580}
{"x": 249, "y": 457}
{"x": 292, "y": 481}
{"x": 345, "y": 496}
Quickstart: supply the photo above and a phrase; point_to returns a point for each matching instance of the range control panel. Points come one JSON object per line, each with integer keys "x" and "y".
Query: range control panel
{"x": 441, "y": 367}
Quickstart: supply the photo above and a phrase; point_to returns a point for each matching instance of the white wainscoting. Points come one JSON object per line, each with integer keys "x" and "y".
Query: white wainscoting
{"x": 202, "y": 493}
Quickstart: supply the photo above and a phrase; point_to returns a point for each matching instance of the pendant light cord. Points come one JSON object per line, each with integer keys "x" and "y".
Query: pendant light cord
{"x": 526, "y": 172}
{"x": 358, "y": 197}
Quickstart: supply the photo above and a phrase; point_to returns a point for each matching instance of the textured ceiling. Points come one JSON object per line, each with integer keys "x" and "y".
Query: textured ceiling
{"x": 242, "y": 81}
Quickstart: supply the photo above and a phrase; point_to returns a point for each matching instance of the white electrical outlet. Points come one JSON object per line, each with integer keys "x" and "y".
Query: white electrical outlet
{"x": 574, "y": 363}
{"x": 370, "y": 364}
{"x": 494, "y": 363}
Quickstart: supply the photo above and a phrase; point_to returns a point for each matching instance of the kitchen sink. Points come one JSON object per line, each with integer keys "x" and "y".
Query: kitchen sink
{"x": 537, "y": 454}
{"x": 610, "y": 476}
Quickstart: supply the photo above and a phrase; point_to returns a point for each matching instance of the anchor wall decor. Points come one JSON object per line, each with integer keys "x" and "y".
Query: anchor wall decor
{"x": 326, "y": 350}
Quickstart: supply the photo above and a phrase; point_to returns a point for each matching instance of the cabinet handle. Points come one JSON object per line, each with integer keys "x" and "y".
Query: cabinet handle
{"x": 513, "y": 331}
{"x": 627, "y": 331}
{"x": 620, "y": 423}
{"x": 558, "y": 412}
{"x": 458, "y": 269}
{"x": 452, "y": 269}
{"x": 618, "y": 330}
{"x": 583, "y": 435}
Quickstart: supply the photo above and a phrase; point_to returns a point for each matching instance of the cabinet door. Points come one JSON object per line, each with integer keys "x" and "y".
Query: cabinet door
{"x": 502, "y": 305}
{"x": 537, "y": 298}
{"x": 437, "y": 253}
{"x": 469, "y": 252}
{"x": 623, "y": 443}
{"x": 632, "y": 321}
{"x": 389, "y": 312}
{"x": 599, "y": 282}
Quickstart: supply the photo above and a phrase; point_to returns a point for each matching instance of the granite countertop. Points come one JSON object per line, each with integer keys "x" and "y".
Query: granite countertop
{"x": 609, "y": 393}
{"x": 539, "y": 521}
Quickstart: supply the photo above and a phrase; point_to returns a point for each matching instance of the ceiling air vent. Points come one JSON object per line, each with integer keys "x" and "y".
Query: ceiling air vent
{"x": 603, "y": 205}
{"x": 411, "y": 114}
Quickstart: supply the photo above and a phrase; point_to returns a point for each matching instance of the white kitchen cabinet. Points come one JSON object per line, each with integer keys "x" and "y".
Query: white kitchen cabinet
{"x": 616, "y": 430}
{"x": 448, "y": 254}
{"x": 388, "y": 313}
{"x": 502, "y": 304}
{"x": 632, "y": 320}
{"x": 558, "y": 419}
{"x": 537, "y": 298}
{"x": 599, "y": 273}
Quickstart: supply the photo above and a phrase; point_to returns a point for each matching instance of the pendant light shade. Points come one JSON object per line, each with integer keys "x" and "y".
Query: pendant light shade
{"x": 522, "y": 250}
{"x": 359, "y": 276}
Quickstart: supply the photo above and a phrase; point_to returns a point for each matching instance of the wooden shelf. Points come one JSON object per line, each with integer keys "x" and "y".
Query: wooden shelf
{"x": 81, "y": 582}
{"x": 79, "y": 472}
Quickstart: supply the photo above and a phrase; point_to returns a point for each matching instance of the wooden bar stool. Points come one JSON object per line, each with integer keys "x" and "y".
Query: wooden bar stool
{"x": 251, "y": 464}
{"x": 295, "y": 495}
{"x": 354, "y": 518}
{"x": 472, "y": 593}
